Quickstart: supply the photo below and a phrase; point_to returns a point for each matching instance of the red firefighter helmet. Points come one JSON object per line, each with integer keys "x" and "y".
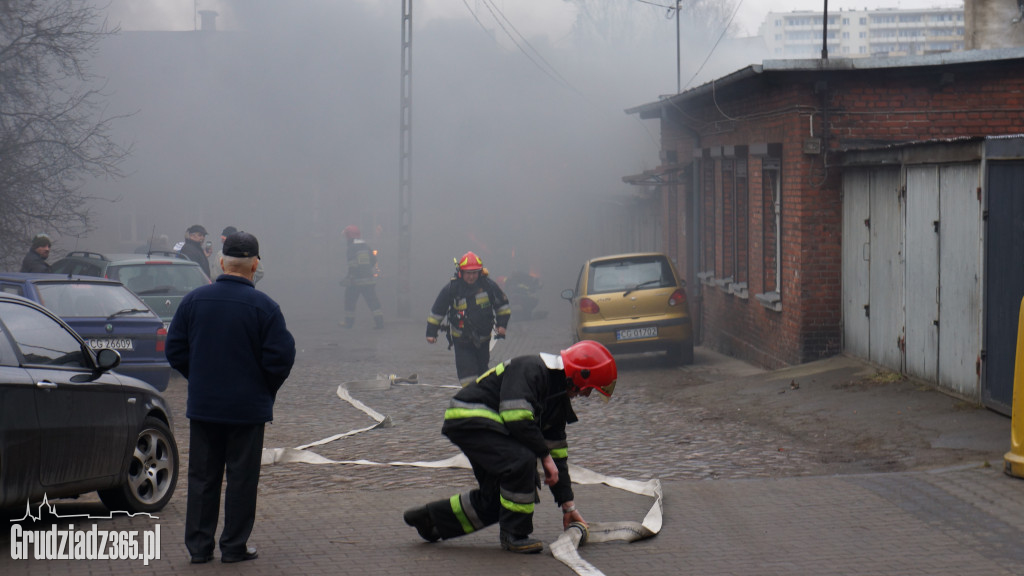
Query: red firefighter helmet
{"x": 470, "y": 262}
{"x": 351, "y": 232}
{"x": 589, "y": 364}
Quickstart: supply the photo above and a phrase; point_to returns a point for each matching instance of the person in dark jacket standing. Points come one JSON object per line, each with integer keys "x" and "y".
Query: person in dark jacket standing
{"x": 360, "y": 280}
{"x": 473, "y": 305}
{"x": 231, "y": 342}
{"x": 35, "y": 260}
{"x": 504, "y": 422}
{"x": 193, "y": 247}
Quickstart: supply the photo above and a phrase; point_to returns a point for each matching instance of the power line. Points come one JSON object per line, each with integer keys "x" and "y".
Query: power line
{"x": 491, "y": 4}
{"x": 720, "y": 36}
{"x": 473, "y": 14}
{"x": 547, "y": 68}
{"x": 656, "y": 4}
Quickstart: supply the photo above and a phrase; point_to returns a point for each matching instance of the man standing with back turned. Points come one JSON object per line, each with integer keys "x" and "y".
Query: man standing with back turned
{"x": 231, "y": 343}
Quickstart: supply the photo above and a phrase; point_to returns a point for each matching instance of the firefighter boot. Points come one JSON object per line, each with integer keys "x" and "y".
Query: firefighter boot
{"x": 419, "y": 518}
{"x": 520, "y": 544}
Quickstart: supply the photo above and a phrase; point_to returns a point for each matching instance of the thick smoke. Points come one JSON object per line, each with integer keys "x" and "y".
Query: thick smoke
{"x": 285, "y": 122}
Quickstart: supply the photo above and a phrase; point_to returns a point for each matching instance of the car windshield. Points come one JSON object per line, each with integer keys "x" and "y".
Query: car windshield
{"x": 629, "y": 274}
{"x": 86, "y": 300}
{"x": 159, "y": 278}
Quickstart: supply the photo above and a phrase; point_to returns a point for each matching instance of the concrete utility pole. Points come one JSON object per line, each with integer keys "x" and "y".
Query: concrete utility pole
{"x": 405, "y": 167}
{"x": 824, "y": 32}
{"x": 679, "y": 87}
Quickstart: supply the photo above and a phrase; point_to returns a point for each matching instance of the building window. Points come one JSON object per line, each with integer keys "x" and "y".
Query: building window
{"x": 771, "y": 234}
{"x": 741, "y": 228}
{"x": 710, "y": 216}
{"x": 725, "y": 202}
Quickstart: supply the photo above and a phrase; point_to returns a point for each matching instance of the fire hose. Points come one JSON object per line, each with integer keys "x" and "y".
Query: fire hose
{"x": 565, "y": 548}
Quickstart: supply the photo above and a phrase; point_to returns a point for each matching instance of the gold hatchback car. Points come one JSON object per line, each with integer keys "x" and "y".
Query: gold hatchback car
{"x": 633, "y": 303}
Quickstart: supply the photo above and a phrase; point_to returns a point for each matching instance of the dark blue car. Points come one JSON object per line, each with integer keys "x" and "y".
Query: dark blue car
{"x": 106, "y": 315}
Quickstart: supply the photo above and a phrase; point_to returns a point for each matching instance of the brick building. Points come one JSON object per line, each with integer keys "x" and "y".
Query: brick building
{"x": 752, "y": 185}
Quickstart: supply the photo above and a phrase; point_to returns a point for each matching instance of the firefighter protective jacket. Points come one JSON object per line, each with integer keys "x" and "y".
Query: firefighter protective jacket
{"x": 360, "y": 263}
{"x": 473, "y": 309}
{"x": 527, "y": 398}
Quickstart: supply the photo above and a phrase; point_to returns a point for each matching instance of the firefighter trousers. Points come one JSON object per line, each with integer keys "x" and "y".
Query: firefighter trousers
{"x": 507, "y": 473}
{"x": 369, "y": 294}
{"x": 471, "y": 360}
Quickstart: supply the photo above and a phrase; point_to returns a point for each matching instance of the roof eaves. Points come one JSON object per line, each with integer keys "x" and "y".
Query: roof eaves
{"x": 653, "y": 109}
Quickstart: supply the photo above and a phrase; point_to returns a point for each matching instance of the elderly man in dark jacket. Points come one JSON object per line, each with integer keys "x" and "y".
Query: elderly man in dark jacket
{"x": 35, "y": 260}
{"x": 231, "y": 343}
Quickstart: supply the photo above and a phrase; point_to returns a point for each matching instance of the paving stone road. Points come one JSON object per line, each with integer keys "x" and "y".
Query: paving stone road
{"x": 740, "y": 498}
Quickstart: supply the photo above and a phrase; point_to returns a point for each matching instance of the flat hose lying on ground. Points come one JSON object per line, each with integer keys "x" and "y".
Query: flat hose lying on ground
{"x": 565, "y": 548}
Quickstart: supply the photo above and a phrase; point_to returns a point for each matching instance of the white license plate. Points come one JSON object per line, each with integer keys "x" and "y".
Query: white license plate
{"x": 112, "y": 343}
{"x": 635, "y": 333}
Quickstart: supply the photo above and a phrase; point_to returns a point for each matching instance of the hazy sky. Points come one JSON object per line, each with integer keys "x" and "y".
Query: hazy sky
{"x": 551, "y": 17}
{"x": 290, "y": 130}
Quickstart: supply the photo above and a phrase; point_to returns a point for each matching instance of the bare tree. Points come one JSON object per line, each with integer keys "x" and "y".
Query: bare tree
{"x": 54, "y": 133}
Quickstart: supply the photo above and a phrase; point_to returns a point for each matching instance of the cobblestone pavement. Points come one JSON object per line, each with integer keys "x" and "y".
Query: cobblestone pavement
{"x": 774, "y": 507}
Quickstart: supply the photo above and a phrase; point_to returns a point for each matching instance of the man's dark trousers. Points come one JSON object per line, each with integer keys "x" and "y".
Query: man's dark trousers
{"x": 214, "y": 447}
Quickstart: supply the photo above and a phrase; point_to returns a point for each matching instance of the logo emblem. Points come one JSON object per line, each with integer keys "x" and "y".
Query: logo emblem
{"x": 109, "y": 328}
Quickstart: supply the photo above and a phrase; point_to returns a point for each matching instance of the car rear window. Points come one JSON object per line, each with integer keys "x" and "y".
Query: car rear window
{"x": 629, "y": 274}
{"x": 84, "y": 300}
{"x": 159, "y": 277}
{"x": 69, "y": 266}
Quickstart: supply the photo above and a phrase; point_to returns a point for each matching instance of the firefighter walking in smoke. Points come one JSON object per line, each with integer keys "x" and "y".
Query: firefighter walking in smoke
{"x": 504, "y": 422}
{"x": 360, "y": 280}
{"x": 472, "y": 304}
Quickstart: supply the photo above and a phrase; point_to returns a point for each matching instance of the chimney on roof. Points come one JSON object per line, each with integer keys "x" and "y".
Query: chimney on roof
{"x": 208, "y": 20}
{"x": 991, "y": 24}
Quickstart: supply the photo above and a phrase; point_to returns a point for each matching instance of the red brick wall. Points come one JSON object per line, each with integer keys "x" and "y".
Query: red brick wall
{"x": 777, "y": 108}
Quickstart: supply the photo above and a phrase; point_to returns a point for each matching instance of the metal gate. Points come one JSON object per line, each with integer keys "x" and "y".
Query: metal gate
{"x": 912, "y": 272}
{"x": 873, "y": 265}
{"x": 1004, "y": 280}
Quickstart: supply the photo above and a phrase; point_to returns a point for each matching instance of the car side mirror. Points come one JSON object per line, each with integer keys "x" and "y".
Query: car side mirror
{"x": 107, "y": 359}
{"x": 568, "y": 294}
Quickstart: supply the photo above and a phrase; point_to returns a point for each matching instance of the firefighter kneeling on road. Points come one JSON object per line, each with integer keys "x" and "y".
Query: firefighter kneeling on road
{"x": 504, "y": 422}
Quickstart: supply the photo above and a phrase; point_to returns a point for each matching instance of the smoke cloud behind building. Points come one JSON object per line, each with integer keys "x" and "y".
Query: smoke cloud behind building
{"x": 285, "y": 122}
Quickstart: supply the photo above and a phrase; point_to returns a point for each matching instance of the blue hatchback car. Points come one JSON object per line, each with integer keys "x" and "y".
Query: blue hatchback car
{"x": 106, "y": 315}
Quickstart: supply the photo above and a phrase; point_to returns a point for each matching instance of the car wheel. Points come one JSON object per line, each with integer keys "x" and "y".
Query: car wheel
{"x": 681, "y": 354}
{"x": 152, "y": 472}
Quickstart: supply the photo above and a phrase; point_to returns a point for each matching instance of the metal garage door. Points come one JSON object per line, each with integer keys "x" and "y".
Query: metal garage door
{"x": 1004, "y": 280}
{"x": 912, "y": 272}
{"x": 872, "y": 265}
